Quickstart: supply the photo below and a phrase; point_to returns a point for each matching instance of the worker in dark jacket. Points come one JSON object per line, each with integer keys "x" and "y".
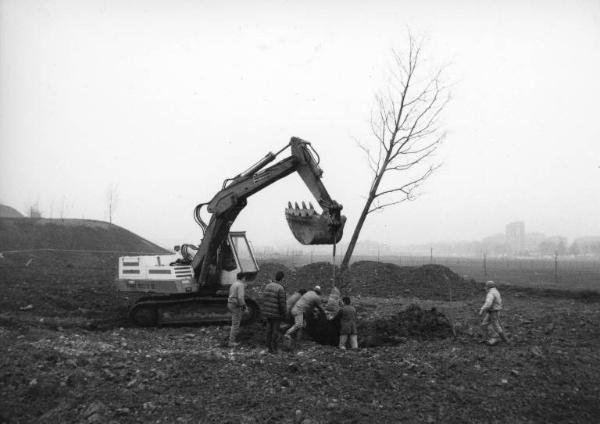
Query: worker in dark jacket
{"x": 274, "y": 306}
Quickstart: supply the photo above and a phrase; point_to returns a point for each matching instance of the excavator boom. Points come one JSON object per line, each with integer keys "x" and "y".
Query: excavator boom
{"x": 307, "y": 226}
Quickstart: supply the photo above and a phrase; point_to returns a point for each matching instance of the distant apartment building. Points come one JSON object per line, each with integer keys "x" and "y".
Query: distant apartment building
{"x": 515, "y": 237}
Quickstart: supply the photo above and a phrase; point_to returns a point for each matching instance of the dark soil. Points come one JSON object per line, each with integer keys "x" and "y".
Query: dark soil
{"x": 413, "y": 322}
{"x": 72, "y": 357}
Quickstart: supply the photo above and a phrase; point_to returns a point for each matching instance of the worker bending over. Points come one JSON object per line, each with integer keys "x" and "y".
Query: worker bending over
{"x": 309, "y": 300}
{"x": 291, "y": 301}
{"x": 491, "y": 308}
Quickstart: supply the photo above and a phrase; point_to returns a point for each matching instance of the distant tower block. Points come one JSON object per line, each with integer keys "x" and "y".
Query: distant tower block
{"x": 515, "y": 237}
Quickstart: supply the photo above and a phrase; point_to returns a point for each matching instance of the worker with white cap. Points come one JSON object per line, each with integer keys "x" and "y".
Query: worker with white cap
{"x": 309, "y": 300}
{"x": 491, "y": 308}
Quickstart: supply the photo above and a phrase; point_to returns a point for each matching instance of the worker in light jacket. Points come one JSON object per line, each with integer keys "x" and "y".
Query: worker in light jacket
{"x": 311, "y": 299}
{"x": 491, "y": 308}
{"x": 274, "y": 309}
{"x": 291, "y": 301}
{"x": 236, "y": 303}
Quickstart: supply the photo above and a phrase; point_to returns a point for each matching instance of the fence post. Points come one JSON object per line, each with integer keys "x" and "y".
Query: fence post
{"x": 431, "y": 255}
{"x": 556, "y": 267}
{"x": 485, "y": 264}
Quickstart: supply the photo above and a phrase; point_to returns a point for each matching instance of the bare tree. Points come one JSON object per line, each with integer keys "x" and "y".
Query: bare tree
{"x": 112, "y": 199}
{"x": 406, "y": 132}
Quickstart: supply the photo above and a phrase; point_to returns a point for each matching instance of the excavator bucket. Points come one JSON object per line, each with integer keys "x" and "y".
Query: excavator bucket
{"x": 310, "y": 227}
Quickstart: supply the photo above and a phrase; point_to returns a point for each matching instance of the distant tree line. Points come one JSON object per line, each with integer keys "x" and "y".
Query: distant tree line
{"x": 497, "y": 246}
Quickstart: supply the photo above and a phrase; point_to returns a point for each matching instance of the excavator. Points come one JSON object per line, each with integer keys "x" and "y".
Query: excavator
{"x": 192, "y": 287}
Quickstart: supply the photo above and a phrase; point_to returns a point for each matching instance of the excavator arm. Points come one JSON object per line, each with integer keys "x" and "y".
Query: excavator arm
{"x": 306, "y": 224}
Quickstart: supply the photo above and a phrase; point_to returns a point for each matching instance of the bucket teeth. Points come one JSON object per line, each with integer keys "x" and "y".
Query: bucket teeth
{"x": 296, "y": 210}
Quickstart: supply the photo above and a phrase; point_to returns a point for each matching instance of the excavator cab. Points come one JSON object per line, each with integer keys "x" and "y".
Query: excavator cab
{"x": 235, "y": 255}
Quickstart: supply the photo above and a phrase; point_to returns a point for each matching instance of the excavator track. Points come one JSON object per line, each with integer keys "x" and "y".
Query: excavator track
{"x": 161, "y": 310}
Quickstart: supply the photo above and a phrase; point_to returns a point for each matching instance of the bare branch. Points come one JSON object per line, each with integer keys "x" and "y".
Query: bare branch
{"x": 381, "y": 207}
{"x": 407, "y": 188}
{"x": 372, "y": 163}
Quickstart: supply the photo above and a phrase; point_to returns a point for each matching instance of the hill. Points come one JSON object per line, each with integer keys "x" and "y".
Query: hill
{"x": 70, "y": 234}
{"x": 8, "y": 212}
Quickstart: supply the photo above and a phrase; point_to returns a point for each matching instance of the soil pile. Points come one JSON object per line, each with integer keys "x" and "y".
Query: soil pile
{"x": 268, "y": 270}
{"x": 369, "y": 278}
{"x": 413, "y": 322}
{"x": 425, "y": 282}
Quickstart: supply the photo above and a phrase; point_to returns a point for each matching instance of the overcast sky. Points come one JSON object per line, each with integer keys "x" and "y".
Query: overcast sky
{"x": 166, "y": 99}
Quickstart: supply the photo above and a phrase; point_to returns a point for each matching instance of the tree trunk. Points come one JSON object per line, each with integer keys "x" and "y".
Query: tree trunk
{"x": 355, "y": 234}
{"x": 365, "y": 212}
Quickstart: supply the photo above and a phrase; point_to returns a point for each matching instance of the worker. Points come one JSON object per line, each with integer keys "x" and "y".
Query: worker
{"x": 274, "y": 309}
{"x": 236, "y": 303}
{"x": 291, "y": 301}
{"x": 491, "y": 308}
{"x": 348, "y": 325}
{"x": 309, "y": 300}
{"x": 184, "y": 254}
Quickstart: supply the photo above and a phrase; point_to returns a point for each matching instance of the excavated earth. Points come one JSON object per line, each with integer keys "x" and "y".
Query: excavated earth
{"x": 68, "y": 354}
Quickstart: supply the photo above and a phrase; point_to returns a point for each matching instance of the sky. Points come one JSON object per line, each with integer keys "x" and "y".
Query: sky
{"x": 163, "y": 100}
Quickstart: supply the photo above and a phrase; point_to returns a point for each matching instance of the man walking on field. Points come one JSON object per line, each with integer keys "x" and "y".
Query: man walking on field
{"x": 491, "y": 308}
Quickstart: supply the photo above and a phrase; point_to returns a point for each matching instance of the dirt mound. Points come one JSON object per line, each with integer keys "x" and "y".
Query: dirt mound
{"x": 70, "y": 234}
{"x": 318, "y": 273}
{"x": 426, "y": 282}
{"x": 413, "y": 322}
{"x": 369, "y": 278}
{"x": 267, "y": 271}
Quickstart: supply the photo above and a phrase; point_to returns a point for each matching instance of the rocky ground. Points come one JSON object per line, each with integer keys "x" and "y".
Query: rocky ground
{"x": 67, "y": 354}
